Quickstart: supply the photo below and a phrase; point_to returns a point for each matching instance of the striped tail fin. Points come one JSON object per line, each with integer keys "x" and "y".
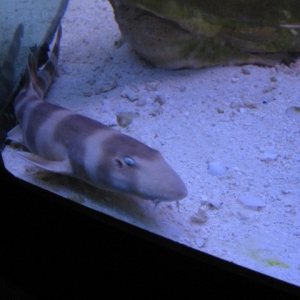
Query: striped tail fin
{"x": 42, "y": 79}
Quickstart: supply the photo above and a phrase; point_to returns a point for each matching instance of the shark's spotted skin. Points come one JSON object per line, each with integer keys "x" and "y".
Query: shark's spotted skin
{"x": 66, "y": 142}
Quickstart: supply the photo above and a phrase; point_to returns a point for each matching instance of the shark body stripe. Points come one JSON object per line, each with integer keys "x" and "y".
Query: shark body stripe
{"x": 66, "y": 142}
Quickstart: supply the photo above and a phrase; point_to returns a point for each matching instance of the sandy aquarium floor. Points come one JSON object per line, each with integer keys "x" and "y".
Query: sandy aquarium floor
{"x": 228, "y": 132}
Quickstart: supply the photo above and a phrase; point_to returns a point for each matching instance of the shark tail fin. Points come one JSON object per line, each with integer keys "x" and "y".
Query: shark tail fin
{"x": 42, "y": 79}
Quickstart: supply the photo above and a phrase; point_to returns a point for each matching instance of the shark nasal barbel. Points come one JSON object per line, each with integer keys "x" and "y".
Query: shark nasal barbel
{"x": 66, "y": 142}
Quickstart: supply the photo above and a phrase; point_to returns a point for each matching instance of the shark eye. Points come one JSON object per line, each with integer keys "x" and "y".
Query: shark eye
{"x": 129, "y": 161}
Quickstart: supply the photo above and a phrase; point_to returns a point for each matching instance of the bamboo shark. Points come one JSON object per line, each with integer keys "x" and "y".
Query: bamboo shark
{"x": 66, "y": 142}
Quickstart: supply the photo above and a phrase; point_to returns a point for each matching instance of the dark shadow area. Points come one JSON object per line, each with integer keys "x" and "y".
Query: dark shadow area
{"x": 52, "y": 248}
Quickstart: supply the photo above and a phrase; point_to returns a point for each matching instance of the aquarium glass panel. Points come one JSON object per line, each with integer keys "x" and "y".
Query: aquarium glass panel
{"x": 180, "y": 118}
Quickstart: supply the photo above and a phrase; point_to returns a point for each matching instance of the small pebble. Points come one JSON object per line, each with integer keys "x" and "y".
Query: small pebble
{"x": 124, "y": 119}
{"x": 293, "y": 112}
{"x": 107, "y": 84}
{"x": 216, "y": 204}
{"x": 245, "y": 71}
{"x": 273, "y": 79}
{"x": 220, "y": 110}
{"x": 249, "y": 104}
{"x": 216, "y": 169}
{"x": 242, "y": 217}
{"x": 212, "y": 203}
{"x": 268, "y": 156}
{"x": 130, "y": 94}
{"x": 269, "y": 88}
{"x": 160, "y": 99}
{"x": 251, "y": 202}
{"x": 200, "y": 242}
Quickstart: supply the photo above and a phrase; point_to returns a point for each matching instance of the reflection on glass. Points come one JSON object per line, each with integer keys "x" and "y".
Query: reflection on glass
{"x": 24, "y": 24}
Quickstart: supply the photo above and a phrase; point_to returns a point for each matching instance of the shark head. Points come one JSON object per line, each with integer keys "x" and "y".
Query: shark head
{"x": 129, "y": 166}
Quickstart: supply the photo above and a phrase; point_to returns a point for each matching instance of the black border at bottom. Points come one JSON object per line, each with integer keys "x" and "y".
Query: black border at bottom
{"x": 53, "y": 248}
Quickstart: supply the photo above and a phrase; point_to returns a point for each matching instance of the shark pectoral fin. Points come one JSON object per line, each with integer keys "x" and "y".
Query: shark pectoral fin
{"x": 15, "y": 135}
{"x": 62, "y": 167}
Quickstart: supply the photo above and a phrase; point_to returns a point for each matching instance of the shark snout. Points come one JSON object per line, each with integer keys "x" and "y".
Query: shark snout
{"x": 181, "y": 191}
{"x": 176, "y": 190}
{"x": 167, "y": 186}
{"x": 163, "y": 182}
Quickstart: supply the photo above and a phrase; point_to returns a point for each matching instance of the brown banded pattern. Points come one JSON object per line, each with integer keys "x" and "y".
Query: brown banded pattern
{"x": 69, "y": 143}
